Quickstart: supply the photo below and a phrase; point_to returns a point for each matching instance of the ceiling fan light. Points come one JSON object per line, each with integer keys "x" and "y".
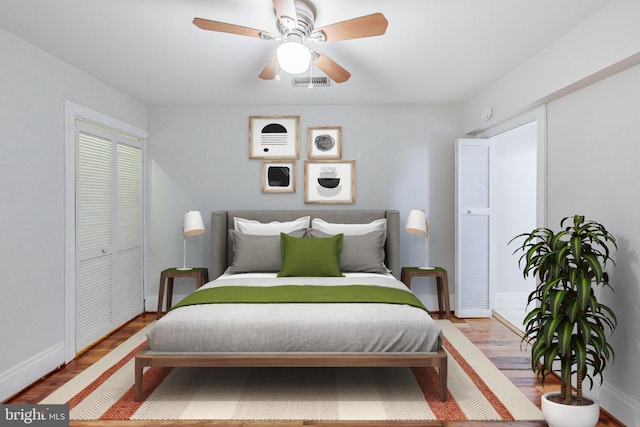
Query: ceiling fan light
{"x": 293, "y": 57}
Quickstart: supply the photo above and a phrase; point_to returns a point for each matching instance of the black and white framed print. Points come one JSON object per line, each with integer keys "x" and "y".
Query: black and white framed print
{"x": 324, "y": 142}
{"x": 330, "y": 182}
{"x": 278, "y": 176}
{"x": 275, "y": 137}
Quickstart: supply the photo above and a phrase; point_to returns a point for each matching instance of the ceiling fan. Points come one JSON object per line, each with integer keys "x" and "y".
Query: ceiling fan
{"x": 295, "y": 24}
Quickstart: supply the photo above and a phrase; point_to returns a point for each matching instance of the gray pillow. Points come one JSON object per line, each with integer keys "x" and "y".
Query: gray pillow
{"x": 256, "y": 254}
{"x": 363, "y": 253}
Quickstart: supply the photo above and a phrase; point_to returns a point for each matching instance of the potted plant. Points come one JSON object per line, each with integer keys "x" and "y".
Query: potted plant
{"x": 567, "y": 329}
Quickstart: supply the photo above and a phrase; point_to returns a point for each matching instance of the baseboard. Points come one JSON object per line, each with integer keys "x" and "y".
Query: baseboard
{"x": 14, "y": 379}
{"x": 619, "y": 404}
{"x": 151, "y": 303}
{"x": 508, "y": 324}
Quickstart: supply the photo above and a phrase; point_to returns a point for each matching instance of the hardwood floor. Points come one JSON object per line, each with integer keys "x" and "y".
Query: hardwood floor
{"x": 501, "y": 345}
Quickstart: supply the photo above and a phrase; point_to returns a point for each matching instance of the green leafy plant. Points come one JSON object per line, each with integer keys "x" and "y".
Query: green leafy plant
{"x": 568, "y": 324}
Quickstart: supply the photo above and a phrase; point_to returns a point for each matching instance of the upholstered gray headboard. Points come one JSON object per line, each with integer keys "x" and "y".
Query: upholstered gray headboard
{"x": 222, "y": 222}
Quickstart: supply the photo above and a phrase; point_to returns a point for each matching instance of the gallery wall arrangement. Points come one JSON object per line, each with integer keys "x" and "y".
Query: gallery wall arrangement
{"x": 328, "y": 179}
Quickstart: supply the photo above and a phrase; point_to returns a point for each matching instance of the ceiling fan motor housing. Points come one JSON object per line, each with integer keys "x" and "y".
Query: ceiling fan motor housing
{"x": 306, "y": 15}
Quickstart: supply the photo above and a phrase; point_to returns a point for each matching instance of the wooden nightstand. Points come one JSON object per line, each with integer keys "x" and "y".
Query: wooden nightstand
{"x": 201, "y": 275}
{"x": 442, "y": 285}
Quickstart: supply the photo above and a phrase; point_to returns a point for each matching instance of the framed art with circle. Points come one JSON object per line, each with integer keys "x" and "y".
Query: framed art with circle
{"x": 324, "y": 142}
{"x": 274, "y": 137}
{"x": 330, "y": 182}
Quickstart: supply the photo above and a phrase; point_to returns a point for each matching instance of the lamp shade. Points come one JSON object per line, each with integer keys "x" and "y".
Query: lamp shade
{"x": 417, "y": 223}
{"x": 193, "y": 223}
{"x": 293, "y": 57}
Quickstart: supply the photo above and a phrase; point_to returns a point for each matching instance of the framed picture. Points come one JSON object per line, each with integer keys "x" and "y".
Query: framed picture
{"x": 330, "y": 182}
{"x": 324, "y": 142}
{"x": 274, "y": 137}
{"x": 278, "y": 176}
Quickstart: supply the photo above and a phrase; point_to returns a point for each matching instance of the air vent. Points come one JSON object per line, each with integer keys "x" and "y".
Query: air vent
{"x": 315, "y": 81}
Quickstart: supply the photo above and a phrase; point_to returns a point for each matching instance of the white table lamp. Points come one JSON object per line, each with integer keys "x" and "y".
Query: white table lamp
{"x": 417, "y": 223}
{"x": 192, "y": 226}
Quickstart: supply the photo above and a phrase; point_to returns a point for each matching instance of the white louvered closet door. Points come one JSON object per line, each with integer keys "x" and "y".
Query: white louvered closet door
{"x": 109, "y": 231}
{"x": 473, "y": 209}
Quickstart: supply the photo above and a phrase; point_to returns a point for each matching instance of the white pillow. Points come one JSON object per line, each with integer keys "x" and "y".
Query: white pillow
{"x": 349, "y": 229}
{"x": 257, "y": 228}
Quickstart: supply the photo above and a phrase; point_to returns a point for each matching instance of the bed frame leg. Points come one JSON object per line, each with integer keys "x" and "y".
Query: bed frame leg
{"x": 443, "y": 379}
{"x": 138, "y": 380}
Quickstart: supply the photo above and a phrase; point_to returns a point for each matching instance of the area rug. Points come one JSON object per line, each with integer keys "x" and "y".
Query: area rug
{"x": 477, "y": 390}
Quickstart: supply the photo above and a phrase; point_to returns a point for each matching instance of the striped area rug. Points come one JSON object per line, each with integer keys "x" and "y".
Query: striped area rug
{"x": 477, "y": 391}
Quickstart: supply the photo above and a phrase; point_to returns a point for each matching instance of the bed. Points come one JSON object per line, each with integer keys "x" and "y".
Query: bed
{"x": 258, "y": 325}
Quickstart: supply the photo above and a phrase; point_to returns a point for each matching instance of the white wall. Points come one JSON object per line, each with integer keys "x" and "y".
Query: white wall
{"x": 594, "y": 152}
{"x": 604, "y": 44}
{"x": 34, "y": 87}
{"x": 590, "y": 80}
{"x": 198, "y": 157}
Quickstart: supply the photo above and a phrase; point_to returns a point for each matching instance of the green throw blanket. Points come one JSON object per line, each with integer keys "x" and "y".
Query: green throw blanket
{"x": 301, "y": 294}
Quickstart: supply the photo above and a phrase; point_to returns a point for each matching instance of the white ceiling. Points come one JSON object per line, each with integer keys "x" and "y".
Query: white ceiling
{"x": 434, "y": 51}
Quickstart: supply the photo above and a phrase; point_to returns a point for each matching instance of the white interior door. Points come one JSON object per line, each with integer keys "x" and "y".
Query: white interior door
{"x": 109, "y": 231}
{"x": 473, "y": 220}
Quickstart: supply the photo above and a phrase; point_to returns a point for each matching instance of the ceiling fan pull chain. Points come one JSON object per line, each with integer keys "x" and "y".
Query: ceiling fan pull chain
{"x": 311, "y": 76}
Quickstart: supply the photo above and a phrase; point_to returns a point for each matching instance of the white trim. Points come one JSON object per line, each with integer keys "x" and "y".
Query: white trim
{"x": 615, "y": 401}
{"x": 493, "y": 285}
{"x": 29, "y": 371}
{"x": 89, "y": 115}
{"x": 72, "y": 112}
{"x": 92, "y": 372}
{"x": 539, "y": 115}
{"x": 151, "y": 303}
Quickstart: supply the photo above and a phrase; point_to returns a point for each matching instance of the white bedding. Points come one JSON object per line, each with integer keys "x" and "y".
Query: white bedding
{"x": 299, "y": 327}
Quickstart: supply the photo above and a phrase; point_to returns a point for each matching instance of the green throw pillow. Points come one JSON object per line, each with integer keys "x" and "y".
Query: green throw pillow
{"x": 310, "y": 257}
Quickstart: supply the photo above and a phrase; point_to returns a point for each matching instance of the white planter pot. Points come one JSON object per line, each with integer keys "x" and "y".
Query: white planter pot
{"x": 559, "y": 415}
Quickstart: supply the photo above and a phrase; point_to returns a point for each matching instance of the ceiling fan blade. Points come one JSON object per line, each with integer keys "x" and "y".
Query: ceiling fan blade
{"x": 330, "y": 67}
{"x": 223, "y": 27}
{"x": 286, "y": 11}
{"x": 271, "y": 70}
{"x": 364, "y": 26}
